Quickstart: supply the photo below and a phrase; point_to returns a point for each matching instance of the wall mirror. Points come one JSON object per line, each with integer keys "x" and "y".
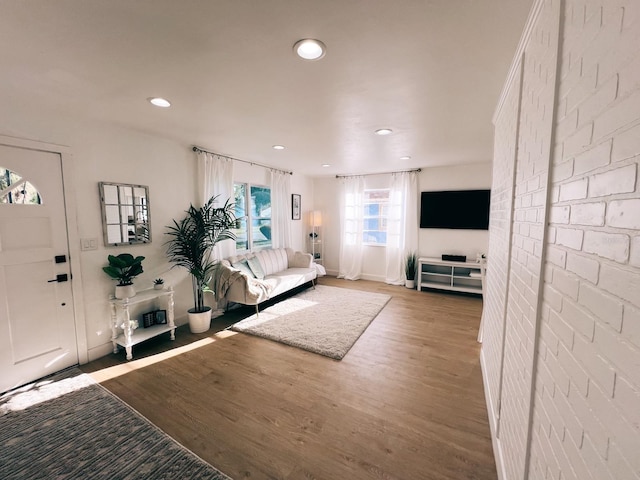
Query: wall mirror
{"x": 126, "y": 218}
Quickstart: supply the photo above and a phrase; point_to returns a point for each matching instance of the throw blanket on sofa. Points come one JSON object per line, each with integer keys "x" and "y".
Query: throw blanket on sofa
{"x": 226, "y": 275}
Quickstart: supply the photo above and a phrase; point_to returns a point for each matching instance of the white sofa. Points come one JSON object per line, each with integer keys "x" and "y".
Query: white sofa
{"x": 238, "y": 278}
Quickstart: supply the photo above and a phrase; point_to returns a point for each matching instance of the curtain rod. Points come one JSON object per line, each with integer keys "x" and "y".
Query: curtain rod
{"x": 381, "y": 173}
{"x": 198, "y": 149}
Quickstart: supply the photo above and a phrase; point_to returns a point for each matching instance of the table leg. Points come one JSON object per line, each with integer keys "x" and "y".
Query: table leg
{"x": 170, "y": 314}
{"x": 114, "y": 326}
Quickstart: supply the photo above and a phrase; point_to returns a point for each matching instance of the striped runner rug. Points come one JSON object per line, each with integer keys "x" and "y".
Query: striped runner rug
{"x": 67, "y": 426}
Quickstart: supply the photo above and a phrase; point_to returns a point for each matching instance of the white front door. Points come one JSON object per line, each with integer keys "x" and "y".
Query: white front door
{"x": 37, "y": 325}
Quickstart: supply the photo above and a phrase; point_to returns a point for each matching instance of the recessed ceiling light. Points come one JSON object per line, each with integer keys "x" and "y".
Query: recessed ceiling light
{"x": 383, "y": 131}
{"x": 406, "y": 157}
{"x": 278, "y": 147}
{"x": 159, "y": 102}
{"x": 325, "y": 165}
{"x": 309, "y": 49}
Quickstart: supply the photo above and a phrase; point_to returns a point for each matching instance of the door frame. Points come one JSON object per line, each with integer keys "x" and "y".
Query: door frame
{"x": 73, "y": 237}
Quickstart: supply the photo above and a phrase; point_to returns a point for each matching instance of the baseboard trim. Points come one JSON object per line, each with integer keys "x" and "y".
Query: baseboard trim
{"x": 493, "y": 421}
{"x": 99, "y": 351}
{"x": 364, "y": 276}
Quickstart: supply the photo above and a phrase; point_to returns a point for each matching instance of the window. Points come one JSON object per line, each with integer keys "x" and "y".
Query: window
{"x": 253, "y": 207}
{"x": 376, "y": 209}
{"x": 16, "y": 190}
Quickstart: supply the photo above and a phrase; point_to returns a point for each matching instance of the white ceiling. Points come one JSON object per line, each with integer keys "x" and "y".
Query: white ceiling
{"x": 431, "y": 70}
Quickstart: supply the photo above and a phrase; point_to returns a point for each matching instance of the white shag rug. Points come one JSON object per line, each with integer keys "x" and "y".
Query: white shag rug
{"x": 325, "y": 320}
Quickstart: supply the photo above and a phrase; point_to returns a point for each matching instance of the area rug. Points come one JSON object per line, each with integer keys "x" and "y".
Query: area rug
{"x": 69, "y": 427}
{"x": 325, "y": 320}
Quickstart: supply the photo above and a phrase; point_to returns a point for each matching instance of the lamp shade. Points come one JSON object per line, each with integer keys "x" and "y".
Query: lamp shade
{"x": 316, "y": 218}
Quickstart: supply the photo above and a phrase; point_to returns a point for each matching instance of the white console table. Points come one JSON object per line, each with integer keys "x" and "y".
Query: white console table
{"x": 121, "y": 319}
{"x": 465, "y": 277}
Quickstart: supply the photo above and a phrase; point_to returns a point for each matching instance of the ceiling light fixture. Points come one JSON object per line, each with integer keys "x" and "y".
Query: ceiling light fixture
{"x": 406, "y": 157}
{"x": 309, "y": 49}
{"x": 278, "y": 147}
{"x": 325, "y": 165}
{"x": 383, "y": 131}
{"x": 159, "y": 102}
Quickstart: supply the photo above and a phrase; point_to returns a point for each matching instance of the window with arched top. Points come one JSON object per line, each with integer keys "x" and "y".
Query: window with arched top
{"x": 15, "y": 189}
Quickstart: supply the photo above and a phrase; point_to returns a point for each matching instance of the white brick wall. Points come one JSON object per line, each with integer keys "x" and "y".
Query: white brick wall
{"x": 500, "y": 234}
{"x": 522, "y": 263}
{"x": 570, "y": 380}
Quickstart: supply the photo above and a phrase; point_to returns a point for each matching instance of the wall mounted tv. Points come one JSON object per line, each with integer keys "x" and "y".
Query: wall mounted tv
{"x": 460, "y": 209}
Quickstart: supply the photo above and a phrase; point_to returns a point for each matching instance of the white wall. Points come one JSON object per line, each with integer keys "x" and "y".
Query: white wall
{"x": 326, "y": 192}
{"x": 561, "y": 351}
{"x": 303, "y": 186}
{"x": 432, "y": 242}
{"x": 110, "y": 153}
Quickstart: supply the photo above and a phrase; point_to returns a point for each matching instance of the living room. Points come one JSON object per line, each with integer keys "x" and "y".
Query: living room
{"x": 560, "y": 352}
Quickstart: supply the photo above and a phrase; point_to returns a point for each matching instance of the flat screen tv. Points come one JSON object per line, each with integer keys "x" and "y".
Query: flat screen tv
{"x": 461, "y": 209}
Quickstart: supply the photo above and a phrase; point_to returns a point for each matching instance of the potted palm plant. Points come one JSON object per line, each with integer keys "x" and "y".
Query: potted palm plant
{"x": 190, "y": 246}
{"x": 124, "y": 268}
{"x": 410, "y": 269}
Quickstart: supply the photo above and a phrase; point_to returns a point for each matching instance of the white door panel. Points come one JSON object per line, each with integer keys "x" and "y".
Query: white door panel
{"x": 37, "y": 325}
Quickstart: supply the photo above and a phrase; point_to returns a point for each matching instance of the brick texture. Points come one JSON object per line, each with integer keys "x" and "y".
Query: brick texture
{"x": 566, "y": 392}
{"x": 500, "y": 233}
{"x": 521, "y": 259}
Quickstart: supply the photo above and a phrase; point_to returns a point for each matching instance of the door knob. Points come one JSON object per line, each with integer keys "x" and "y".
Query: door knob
{"x": 62, "y": 277}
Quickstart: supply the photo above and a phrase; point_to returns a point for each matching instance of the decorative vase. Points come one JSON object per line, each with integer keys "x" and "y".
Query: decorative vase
{"x": 199, "y": 322}
{"x": 158, "y": 286}
{"x": 125, "y": 291}
{"x": 410, "y": 284}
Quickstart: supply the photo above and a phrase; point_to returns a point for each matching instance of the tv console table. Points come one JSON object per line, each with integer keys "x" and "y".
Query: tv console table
{"x": 465, "y": 277}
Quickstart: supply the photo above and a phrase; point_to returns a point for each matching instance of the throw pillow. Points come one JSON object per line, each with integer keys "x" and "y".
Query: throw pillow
{"x": 256, "y": 268}
{"x": 243, "y": 267}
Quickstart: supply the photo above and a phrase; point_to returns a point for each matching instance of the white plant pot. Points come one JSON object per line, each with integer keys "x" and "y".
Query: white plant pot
{"x": 410, "y": 284}
{"x": 158, "y": 286}
{"x": 199, "y": 322}
{"x": 125, "y": 291}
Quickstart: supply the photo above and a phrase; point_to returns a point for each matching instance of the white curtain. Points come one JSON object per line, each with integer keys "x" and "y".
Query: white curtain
{"x": 280, "y": 209}
{"x": 402, "y": 225}
{"x": 215, "y": 178}
{"x": 351, "y": 218}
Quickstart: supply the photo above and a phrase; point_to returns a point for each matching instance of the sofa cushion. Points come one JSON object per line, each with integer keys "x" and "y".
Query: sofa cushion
{"x": 272, "y": 260}
{"x": 281, "y": 282}
{"x": 243, "y": 266}
{"x": 256, "y": 267}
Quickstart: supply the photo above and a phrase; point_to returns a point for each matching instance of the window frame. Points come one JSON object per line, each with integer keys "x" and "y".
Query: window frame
{"x": 249, "y": 218}
{"x": 382, "y": 216}
{"x": 17, "y": 184}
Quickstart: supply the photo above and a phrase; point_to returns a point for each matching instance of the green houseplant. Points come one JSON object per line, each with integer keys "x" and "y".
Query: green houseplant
{"x": 124, "y": 268}
{"x": 190, "y": 246}
{"x": 410, "y": 265}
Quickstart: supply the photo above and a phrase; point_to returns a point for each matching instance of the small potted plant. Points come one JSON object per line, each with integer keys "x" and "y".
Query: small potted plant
{"x": 410, "y": 269}
{"x": 124, "y": 268}
{"x": 158, "y": 284}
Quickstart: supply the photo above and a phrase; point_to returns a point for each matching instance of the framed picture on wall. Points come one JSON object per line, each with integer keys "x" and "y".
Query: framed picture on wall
{"x": 295, "y": 206}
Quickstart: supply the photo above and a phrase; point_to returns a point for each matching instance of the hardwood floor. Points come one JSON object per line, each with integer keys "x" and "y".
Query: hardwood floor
{"x": 406, "y": 402}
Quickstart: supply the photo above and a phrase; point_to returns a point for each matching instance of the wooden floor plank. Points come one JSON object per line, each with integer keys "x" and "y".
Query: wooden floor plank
{"x": 406, "y": 402}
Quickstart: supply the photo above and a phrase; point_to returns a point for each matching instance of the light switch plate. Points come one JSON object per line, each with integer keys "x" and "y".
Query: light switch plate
{"x": 88, "y": 244}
